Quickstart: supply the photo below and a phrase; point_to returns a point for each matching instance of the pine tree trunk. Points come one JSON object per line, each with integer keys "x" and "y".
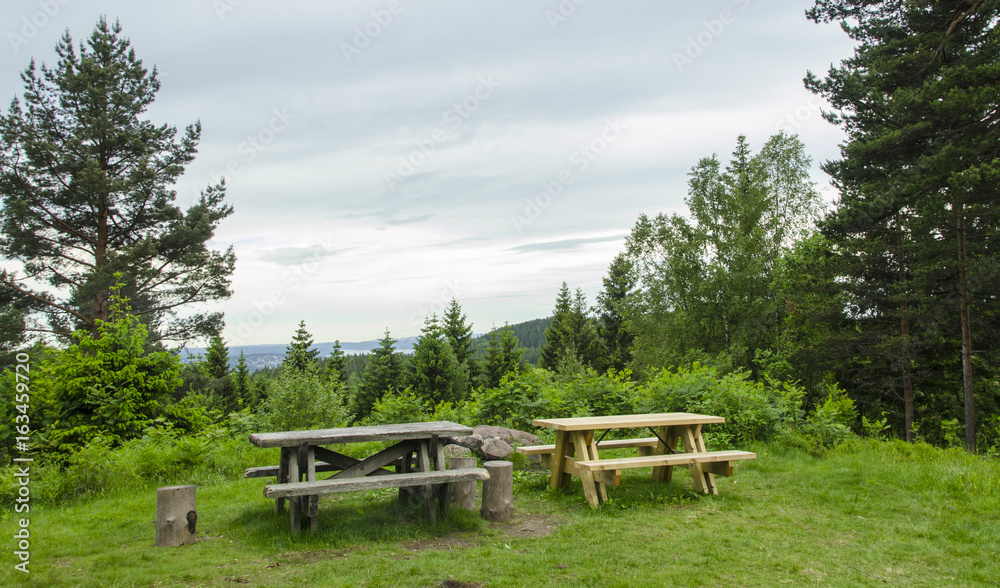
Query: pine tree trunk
{"x": 966, "y": 317}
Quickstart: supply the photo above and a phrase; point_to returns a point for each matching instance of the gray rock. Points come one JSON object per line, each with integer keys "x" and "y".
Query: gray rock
{"x": 451, "y": 451}
{"x": 511, "y": 436}
{"x": 473, "y": 442}
{"x": 496, "y": 448}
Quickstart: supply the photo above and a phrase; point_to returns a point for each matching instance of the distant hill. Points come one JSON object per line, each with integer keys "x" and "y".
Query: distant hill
{"x": 530, "y": 334}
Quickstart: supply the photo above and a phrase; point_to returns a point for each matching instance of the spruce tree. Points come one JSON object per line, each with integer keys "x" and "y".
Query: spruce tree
{"x": 241, "y": 382}
{"x": 336, "y": 364}
{"x": 434, "y": 372}
{"x": 616, "y": 340}
{"x": 87, "y": 191}
{"x": 920, "y": 173}
{"x": 571, "y": 335}
{"x": 503, "y": 356}
{"x": 217, "y": 357}
{"x": 298, "y": 354}
{"x": 458, "y": 332}
{"x": 382, "y": 374}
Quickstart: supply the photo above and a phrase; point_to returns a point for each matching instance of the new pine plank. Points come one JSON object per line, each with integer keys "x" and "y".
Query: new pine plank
{"x": 676, "y": 459}
{"x": 610, "y": 444}
{"x": 626, "y": 421}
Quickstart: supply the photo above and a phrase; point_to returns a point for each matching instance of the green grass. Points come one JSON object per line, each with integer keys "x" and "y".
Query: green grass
{"x": 866, "y": 514}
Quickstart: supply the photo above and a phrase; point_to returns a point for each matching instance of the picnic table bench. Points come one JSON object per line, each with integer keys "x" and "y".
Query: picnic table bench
{"x": 575, "y": 452}
{"x": 416, "y": 456}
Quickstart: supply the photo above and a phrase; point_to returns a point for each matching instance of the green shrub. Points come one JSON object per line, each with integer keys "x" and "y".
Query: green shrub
{"x": 397, "y": 406}
{"x": 830, "y": 423}
{"x": 299, "y": 400}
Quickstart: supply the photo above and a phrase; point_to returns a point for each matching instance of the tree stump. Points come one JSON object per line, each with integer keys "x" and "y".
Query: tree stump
{"x": 462, "y": 494}
{"x": 175, "y": 515}
{"x": 498, "y": 491}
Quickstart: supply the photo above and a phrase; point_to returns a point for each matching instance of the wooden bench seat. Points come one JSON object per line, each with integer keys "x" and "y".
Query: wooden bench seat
{"x": 610, "y": 444}
{"x": 719, "y": 463}
{"x": 321, "y": 487}
{"x": 272, "y": 471}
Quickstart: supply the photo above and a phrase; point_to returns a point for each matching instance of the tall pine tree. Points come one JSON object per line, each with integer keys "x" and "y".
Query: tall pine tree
{"x": 87, "y": 192}
{"x": 299, "y": 354}
{"x": 920, "y": 173}
{"x": 383, "y": 373}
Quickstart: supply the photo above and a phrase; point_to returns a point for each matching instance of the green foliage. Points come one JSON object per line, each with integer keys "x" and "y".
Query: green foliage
{"x": 708, "y": 280}
{"x": 571, "y": 333}
{"x": 107, "y": 385}
{"x": 434, "y": 372}
{"x": 619, "y": 284}
{"x": 298, "y": 355}
{"x": 336, "y": 364}
{"x": 382, "y": 373}
{"x": 830, "y": 423}
{"x": 403, "y": 406}
{"x": 503, "y": 356}
{"x": 87, "y": 190}
{"x": 303, "y": 399}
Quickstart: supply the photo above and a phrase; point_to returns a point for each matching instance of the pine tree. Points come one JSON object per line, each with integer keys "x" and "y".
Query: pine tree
{"x": 241, "y": 382}
{"x": 458, "y": 332}
{"x": 503, "y": 356}
{"x": 616, "y": 340}
{"x": 920, "y": 174}
{"x": 298, "y": 354}
{"x": 336, "y": 364}
{"x": 86, "y": 188}
{"x": 571, "y": 333}
{"x": 434, "y": 372}
{"x": 217, "y": 357}
{"x": 382, "y": 374}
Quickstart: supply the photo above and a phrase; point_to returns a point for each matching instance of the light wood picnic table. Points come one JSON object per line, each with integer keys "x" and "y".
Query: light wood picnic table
{"x": 416, "y": 454}
{"x": 575, "y": 452}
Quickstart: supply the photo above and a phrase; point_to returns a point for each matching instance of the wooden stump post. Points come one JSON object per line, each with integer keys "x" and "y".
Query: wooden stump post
{"x": 462, "y": 494}
{"x": 498, "y": 491}
{"x": 175, "y": 515}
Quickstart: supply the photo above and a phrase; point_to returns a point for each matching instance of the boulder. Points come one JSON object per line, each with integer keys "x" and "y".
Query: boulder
{"x": 495, "y": 448}
{"x": 451, "y": 451}
{"x": 493, "y": 442}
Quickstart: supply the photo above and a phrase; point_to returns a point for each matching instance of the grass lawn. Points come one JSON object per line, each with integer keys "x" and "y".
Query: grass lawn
{"x": 867, "y": 514}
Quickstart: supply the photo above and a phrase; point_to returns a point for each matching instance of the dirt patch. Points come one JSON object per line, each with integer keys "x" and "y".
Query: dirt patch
{"x": 459, "y": 584}
{"x": 447, "y": 542}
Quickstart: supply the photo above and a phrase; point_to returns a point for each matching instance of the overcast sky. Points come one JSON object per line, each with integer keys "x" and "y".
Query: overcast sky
{"x": 383, "y": 156}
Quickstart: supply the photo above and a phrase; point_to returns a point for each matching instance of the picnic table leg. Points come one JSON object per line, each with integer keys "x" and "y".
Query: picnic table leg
{"x": 279, "y": 503}
{"x": 310, "y": 504}
{"x": 425, "y": 466}
{"x": 405, "y": 467}
{"x": 590, "y": 487}
{"x": 440, "y": 490}
{"x": 294, "y": 502}
{"x": 558, "y": 459}
{"x": 668, "y": 434}
{"x": 591, "y": 453}
{"x": 704, "y": 482}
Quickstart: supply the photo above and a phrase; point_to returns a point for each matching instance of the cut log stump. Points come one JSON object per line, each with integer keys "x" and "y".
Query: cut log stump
{"x": 176, "y": 515}
{"x": 462, "y": 494}
{"x": 498, "y": 491}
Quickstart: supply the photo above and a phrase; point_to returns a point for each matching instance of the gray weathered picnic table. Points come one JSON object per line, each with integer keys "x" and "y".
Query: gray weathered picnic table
{"x": 416, "y": 455}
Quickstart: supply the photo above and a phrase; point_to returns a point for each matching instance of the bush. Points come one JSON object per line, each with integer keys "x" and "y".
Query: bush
{"x": 397, "y": 407}
{"x": 299, "y": 400}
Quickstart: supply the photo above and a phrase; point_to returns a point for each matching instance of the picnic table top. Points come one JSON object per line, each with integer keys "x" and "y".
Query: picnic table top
{"x": 399, "y": 432}
{"x": 625, "y": 421}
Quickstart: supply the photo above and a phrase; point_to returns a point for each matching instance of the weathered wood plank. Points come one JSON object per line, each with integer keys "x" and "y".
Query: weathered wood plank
{"x": 323, "y": 487}
{"x": 400, "y": 432}
{"x": 375, "y": 463}
{"x": 627, "y": 421}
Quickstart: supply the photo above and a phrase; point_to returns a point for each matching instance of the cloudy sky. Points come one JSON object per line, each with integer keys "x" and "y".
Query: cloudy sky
{"x": 385, "y": 156}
